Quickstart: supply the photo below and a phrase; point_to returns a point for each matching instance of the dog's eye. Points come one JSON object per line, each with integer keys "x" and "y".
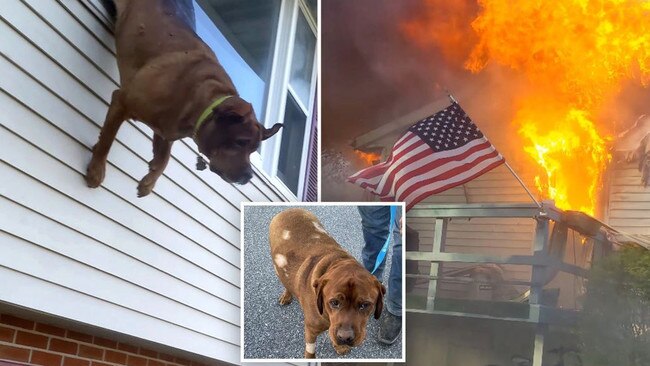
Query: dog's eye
{"x": 335, "y": 304}
{"x": 364, "y": 306}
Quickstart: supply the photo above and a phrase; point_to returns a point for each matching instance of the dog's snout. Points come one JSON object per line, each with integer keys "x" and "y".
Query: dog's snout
{"x": 345, "y": 335}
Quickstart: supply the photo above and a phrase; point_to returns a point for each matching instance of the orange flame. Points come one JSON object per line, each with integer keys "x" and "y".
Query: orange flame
{"x": 368, "y": 158}
{"x": 575, "y": 56}
{"x": 571, "y": 152}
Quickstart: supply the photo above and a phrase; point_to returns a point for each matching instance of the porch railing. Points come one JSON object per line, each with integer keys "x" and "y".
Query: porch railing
{"x": 541, "y": 260}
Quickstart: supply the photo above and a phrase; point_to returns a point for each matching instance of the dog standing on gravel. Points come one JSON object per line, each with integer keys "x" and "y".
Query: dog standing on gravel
{"x": 172, "y": 81}
{"x": 335, "y": 291}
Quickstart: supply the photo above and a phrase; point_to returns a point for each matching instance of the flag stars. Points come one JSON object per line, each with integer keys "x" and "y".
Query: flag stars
{"x": 447, "y": 129}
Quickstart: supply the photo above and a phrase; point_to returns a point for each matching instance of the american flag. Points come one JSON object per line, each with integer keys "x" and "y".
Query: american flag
{"x": 435, "y": 154}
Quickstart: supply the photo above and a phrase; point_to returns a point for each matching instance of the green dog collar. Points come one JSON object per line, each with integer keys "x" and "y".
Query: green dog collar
{"x": 207, "y": 112}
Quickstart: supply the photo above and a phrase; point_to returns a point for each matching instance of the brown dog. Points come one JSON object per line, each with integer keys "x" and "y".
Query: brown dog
{"x": 335, "y": 291}
{"x": 170, "y": 80}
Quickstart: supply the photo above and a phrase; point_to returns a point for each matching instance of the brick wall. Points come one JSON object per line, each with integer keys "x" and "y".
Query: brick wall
{"x": 34, "y": 343}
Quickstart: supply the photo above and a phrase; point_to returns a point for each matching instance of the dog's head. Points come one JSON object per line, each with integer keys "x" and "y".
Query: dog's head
{"x": 228, "y": 137}
{"x": 349, "y": 295}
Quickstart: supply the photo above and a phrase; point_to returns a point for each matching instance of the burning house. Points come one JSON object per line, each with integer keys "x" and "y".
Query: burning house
{"x": 491, "y": 277}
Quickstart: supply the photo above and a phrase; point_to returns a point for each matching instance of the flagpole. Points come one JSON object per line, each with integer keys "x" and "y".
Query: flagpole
{"x": 523, "y": 185}
{"x": 451, "y": 97}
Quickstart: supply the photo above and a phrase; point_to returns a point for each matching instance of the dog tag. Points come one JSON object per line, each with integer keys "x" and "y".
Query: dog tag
{"x": 201, "y": 164}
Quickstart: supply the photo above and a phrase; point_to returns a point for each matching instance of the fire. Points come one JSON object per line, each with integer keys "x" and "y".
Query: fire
{"x": 570, "y": 151}
{"x": 368, "y": 158}
{"x": 575, "y": 56}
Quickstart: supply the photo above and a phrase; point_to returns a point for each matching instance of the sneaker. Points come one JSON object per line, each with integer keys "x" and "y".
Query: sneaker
{"x": 390, "y": 328}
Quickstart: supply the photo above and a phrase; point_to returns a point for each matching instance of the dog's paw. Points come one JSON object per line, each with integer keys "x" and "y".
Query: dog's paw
{"x": 286, "y": 298}
{"x": 95, "y": 173}
{"x": 342, "y": 349}
{"x": 144, "y": 189}
{"x": 146, "y": 185}
{"x": 310, "y": 355}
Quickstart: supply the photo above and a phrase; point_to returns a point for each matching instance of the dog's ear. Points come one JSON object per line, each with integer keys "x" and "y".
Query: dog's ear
{"x": 318, "y": 289}
{"x": 268, "y": 132}
{"x": 379, "y": 304}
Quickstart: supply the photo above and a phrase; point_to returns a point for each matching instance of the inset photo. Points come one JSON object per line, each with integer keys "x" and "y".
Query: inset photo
{"x": 323, "y": 280}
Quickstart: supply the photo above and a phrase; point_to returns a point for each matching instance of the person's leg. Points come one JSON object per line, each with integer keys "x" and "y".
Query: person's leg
{"x": 395, "y": 275}
{"x": 374, "y": 221}
{"x": 391, "y": 322}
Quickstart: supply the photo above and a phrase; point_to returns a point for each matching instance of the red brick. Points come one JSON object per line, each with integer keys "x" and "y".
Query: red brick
{"x": 182, "y": 361}
{"x": 70, "y": 361}
{"x": 95, "y": 363}
{"x": 81, "y": 337}
{"x": 62, "y": 346}
{"x": 136, "y": 361}
{"x": 105, "y": 342}
{"x": 166, "y": 357}
{"x": 16, "y": 322}
{"x": 127, "y": 348}
{"x": 45, "y": 358}
{"x": 90, "y": 352}
{"x": 14, "y": 353}
{"x": 31, "y": 339}
{"x": 155, "y": 363}
{"x": 7, "y": 334}
{"x": 115, "y": 357}
{"x": 50, "y": 329}
{"x": 148, "y": 353}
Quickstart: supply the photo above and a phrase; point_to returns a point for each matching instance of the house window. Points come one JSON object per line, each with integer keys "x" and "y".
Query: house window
{"x": 242, "y": 35}
{"x": 269, "y": 50}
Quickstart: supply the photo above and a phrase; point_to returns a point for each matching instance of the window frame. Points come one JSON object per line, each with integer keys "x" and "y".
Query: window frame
{"x": 278, "y": 91}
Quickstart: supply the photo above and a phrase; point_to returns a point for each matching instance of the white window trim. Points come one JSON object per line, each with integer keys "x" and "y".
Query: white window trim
{"x": 278, "y": 92}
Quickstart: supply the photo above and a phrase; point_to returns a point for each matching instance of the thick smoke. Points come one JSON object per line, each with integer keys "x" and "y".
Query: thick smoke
{"x": 383, "y": 59}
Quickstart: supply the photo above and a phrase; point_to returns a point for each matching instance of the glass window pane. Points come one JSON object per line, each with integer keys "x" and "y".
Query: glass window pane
{"x": 302, "y": 61}
{"x": 291, "y": 150}
{"x": 313, "y": 8}
{"x": 242, "y": 34}
{"x": 249, "y": 25}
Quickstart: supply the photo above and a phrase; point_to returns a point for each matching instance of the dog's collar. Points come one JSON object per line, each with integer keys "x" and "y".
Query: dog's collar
{"x": 207, "y": 112}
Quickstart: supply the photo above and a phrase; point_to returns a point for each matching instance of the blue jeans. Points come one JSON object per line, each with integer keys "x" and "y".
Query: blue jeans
{"x": 375, "y": 221}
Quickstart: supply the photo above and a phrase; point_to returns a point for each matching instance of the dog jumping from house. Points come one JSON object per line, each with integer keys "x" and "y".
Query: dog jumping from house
{"x": 172, "y": 81}
{"x": 336, "y": 293}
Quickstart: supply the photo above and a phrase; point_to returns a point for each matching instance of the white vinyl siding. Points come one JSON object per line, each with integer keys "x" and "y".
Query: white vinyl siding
{"x": 628, "y": 207}
{"x": 164, "y": 268}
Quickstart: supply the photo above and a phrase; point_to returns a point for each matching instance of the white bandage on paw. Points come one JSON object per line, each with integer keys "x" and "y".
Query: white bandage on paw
{"x": 280, "y": 260}
{"x": 310, "y": 347}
